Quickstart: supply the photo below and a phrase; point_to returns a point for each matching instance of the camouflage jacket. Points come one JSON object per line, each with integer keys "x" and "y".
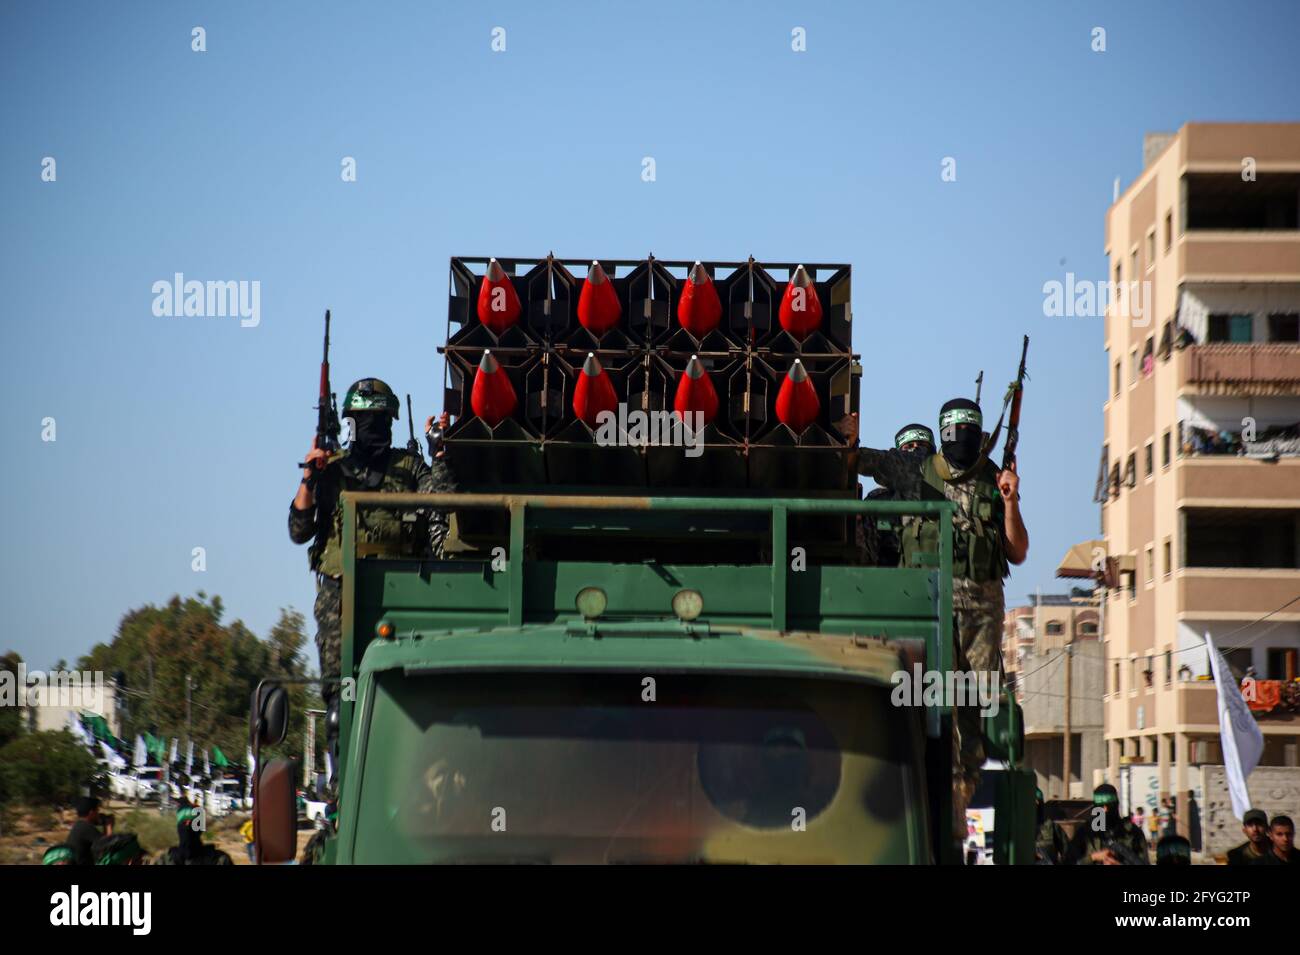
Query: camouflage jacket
{"x": 1125, "y": 840}
{"x": 378, "y": 531}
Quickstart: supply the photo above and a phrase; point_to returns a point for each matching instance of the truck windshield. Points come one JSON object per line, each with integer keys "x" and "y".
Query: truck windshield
{"x": 609, "y": 768}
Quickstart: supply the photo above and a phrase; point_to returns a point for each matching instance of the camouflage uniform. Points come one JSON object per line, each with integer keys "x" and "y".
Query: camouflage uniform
{"x": 399, "y": 535}
{"x": 1123, "y": 838}
{"x": 979, "y": 566}
{"x": 1050, "y": 845}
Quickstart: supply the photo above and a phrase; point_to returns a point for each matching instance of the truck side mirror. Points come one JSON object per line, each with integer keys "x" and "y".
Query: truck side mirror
{"x": 270, "y": 713}
{"x": 275, "y": 814}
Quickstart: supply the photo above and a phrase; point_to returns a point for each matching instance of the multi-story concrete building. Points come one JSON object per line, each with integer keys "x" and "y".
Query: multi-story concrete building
{"x": 1039, "y": 641}
{"x": 1200, "y": 479}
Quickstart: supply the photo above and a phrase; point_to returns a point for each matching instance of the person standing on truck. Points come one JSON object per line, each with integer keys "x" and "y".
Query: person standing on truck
{"x": 989, "y": 534}
{"x": 370, "y": 463}
{"x": 881, "y": 534}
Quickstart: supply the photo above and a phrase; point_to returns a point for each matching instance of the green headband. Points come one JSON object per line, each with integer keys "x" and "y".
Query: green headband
{"x": 914, "y": 434}
{"x": 125, "y": 851}
{"x": 961, "y": 416}
{"x": 1105, "y": 799}
{"x": 186, "y": 814}
{"x": 56, "y": 854}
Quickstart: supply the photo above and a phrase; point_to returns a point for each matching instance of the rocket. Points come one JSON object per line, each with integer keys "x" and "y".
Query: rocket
{"x": 801, "y": 310}
{"x": 699, "y": 308}
{"x": 695, "y": 392}
{"x": 594, "y": 392}
{"x": 498, "y": 302}
{"x": 493, "y": 396}
{"x": 598, "y": 306}
{"x": 797, "y": 405}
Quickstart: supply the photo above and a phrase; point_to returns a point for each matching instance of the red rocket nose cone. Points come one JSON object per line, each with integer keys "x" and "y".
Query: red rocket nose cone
{"x": 593, "y": 392}
{"x": 598, "y": 306}
{"x": 699, "y": 308}
{"x": 797, "y": 405}
{"x": 493, "y": 396}
{"x": 498, "y": 302}
{"x": 801, "y": 309}
{"x": 695, "y": 392}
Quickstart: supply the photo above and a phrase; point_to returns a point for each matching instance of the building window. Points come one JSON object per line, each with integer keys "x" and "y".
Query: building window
{"x": 1284, "y": 327}
{"x": 1054, "y": 628}
{"x": 1249, "y": 538}
{"x": 1169, "y": 667}
{"x": 1115, "y": 674}
{"x": 1151, "y": 564}
{"x": 1230, "y": 328}
{"x": 1133, "y": 367}
{"x": 1087, "y": 629}
{"x": 1169, "y": 557}
{"x": 1148, "y": 358}
{"x": 1164, "y": 449}
{"x": 1149, "y": 673}
{"x": 1148, "y": 455}
{"x": 1131, "y": 473}
{"x": 1151, "y": 250}
{"x": 1282, "y": 664}
{"x": 1169, "y": 231}
{"x": 1133, "y": 265}
{"x": 1119, "y": 375}
{"x": 1133, "y": 587}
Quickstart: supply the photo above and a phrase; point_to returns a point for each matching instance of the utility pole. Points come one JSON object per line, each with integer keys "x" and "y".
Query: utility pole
{"x": 1069, "y": 685}
{"x": 188, "y": 686}
{"x": 309, "y": 757}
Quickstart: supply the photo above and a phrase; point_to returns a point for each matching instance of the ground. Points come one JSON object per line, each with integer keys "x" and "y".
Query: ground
{"x": 25, "y": 835}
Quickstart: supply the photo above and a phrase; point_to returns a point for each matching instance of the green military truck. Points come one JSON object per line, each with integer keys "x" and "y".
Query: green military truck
{"x": 700, "y": 672}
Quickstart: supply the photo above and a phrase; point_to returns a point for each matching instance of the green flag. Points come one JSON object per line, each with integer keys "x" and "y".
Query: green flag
{"x": 219, "y": 758}
{"x": 156, "y": 747}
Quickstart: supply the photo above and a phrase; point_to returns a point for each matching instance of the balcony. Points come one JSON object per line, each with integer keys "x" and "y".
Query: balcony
{"x": 1208, "y": 478}
{"x": 1198, "y": 703}
{"x": 1211, "y": 591}
{"x": 1240, "y": 369}
{"x": 1225, "y": 256}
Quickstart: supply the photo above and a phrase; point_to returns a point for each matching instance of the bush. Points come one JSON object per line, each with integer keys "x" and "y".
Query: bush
{"x": 47, "y": 769}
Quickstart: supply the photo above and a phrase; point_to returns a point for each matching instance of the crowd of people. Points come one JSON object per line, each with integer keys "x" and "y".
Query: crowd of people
{"x": 93, "y": 841}
{"x": 1107, "y": 837}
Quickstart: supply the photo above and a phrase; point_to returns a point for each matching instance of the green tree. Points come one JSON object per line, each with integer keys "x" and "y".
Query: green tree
{"x": 45, "y": 768}
{"x": 11, "y": 717}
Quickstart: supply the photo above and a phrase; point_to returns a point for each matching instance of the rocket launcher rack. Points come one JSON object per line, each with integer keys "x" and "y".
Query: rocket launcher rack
{"x": 541, "y": 340}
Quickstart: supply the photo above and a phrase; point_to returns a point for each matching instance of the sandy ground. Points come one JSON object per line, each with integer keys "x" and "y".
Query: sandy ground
{"x": 26, "y": 837}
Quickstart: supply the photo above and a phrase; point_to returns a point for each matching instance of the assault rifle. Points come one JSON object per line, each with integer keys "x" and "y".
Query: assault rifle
{"x": 1015, "y": 392}
{"x": 327, "y": 415}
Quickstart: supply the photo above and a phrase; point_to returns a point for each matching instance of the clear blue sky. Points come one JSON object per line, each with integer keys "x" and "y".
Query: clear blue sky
{"x": 174, "y": 433}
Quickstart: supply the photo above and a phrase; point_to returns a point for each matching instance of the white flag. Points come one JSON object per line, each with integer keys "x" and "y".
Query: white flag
{"x": 252, "y": 763}
{"x": 76, "y": 728}
{"x": 207, "y": 768}
{"x": 171, "y": 757}
{"x": 141, "y": 757}
{"x": 115, "y": 761}
{"x": 1239, "y": 732}
{"x": 189, "y": 757}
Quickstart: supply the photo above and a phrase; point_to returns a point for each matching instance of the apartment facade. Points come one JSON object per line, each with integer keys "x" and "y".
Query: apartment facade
{"x": 1199, "y": 482}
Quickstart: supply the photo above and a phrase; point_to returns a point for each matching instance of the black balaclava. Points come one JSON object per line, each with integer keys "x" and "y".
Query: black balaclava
{"x": 1106, "y": 796}
{"x": 372, "y": 433}
{"x": 914, "y": 433}
{"x": 961, "y": 428}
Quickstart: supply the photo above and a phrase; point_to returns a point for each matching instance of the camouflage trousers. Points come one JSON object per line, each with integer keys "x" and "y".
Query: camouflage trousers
{"x": 977, "y": 647}
{"x": 329, "y": 632}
